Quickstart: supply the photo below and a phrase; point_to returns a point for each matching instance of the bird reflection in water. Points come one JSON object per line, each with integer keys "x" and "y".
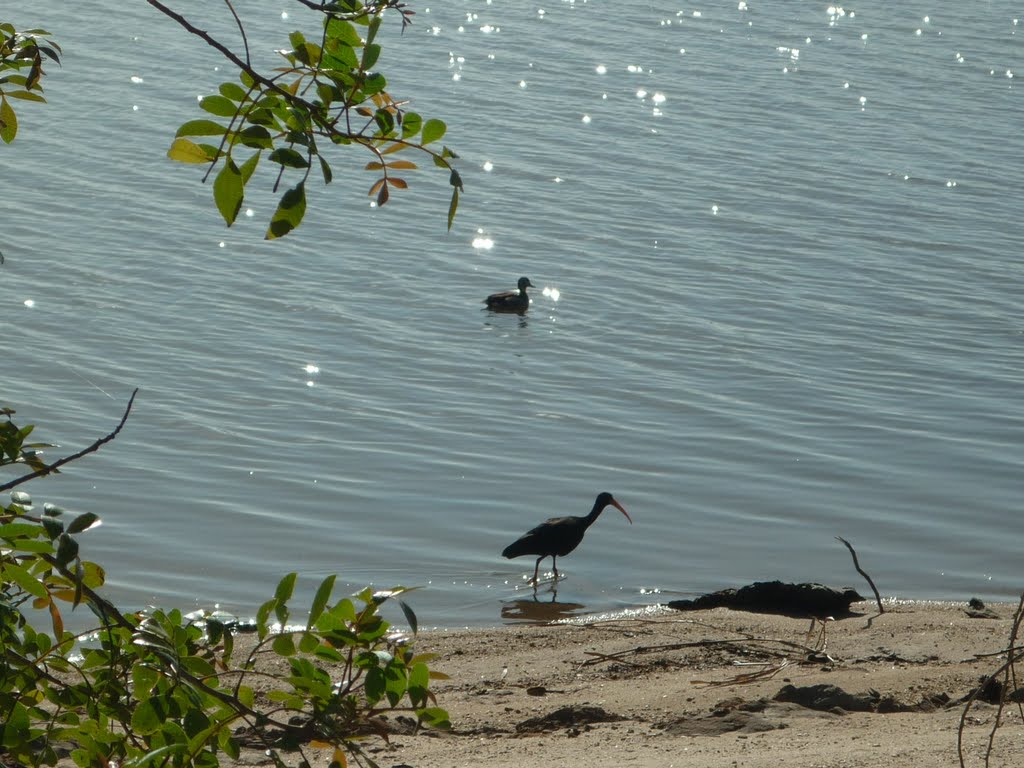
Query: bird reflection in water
{"x": 536, "y": 611}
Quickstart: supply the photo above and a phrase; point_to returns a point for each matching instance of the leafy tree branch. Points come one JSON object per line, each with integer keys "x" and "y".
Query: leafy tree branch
{"x": 301, "y": 110}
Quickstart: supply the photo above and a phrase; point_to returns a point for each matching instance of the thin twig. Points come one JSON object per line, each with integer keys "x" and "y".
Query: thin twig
{"x": 241, "y": 31}
{"x": 856, "y": 564}
{"x": 75, "y": 456}
{"x": 1005, "y": 670}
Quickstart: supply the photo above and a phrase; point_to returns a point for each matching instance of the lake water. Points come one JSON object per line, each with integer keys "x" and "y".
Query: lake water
{"x": 786, "y": 241}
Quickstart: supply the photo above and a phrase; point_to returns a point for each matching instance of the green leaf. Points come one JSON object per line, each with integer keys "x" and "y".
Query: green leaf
{"x": 375, "y": 685}
{"x": 11, "y": 531}
{"x": 8, "y": 121}
{"x": 249, "y": 166}
{"x": 452, "y": 207}
{"x": 289, "y": 212}
{"x": 67, "y": 549}
{"x": 339, "y": 60}
{"x": 233, "y": 91}
{"x": 284, "y": 645}
{"x": 185, "y": 151}
{"x": 435, "y": 717}
{"x": 83, "y": 522}
{"x": 308, "y": 642}
{"x": 309, "y": 54}
{"x": 433, "y": 130}
{"x": 247, "y": 696}
{"x": 289, "y": 157}
{"x": 375, "y": 83}
{"x": 26, "y": 545}
{"x": 409, "y": 616}
{"x": 419, "y": 682}
{"x": 320, "y": 600}
{"x": 373, "y": 25}
{"x": 228, "y": 191}
{"x": 262, "y": 614}
{"x": 370, "y": 55}
{"x": 26, "y": 96}
{"x": 149, "y": 716}
{"x": 397, "y": 683}
{"x": 92, "y": 575}
{"x": 326, "y": 169}
{"x": 201, "y": 128}
{"x": 412, "y": 123}
{"x": 228, "y": 744}
{"x": 327, "y": 653}
{"x": 385, "y": 121}
{"x": 144, "y": 679}
{"x": 342, "y": 31}
{"x": 53, "y": 527}
{"x": 219, "y": 105}
{"x": 285, "y": 588}
{"x": 256, "y": 136}
{"x": 16, "y": 731}
{"x": 21, "y": 577}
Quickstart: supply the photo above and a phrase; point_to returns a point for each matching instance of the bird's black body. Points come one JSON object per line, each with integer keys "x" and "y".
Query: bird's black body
{"x": 511, "y": 301}
{"x": 559, "y": 536}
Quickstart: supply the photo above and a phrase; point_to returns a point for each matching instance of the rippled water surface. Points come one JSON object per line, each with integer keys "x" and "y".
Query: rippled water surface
{"x": 786, "y": 245}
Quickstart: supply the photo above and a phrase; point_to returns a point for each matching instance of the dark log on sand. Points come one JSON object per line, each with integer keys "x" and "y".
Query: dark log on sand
{"x": 797, "y": 600}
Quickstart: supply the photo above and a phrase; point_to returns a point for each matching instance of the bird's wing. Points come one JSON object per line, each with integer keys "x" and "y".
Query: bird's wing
{"x": 502, "y": 296}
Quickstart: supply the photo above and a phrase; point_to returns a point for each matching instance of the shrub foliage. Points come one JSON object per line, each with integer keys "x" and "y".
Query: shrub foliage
{"x": 158, "y": 688}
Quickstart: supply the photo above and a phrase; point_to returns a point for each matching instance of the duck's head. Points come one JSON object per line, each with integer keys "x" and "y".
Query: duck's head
{"x": 524, "y": 283}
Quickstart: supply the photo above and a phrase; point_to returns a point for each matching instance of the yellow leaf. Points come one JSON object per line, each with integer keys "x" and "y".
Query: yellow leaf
{"x": 56, "y": 620}
{"x": 375, "y": 188}
{"x": 374, "y": 166}
{"x": 185, "y": 151}
{"x": 405, "y": 165}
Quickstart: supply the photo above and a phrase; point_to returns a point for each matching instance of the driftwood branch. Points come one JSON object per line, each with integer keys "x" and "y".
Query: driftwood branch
{"x": 49, "y": 468}
{"x": 856, "y": 564}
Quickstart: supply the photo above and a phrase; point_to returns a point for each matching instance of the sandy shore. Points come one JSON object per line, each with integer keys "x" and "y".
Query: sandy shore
{"x": 656, "y": 691}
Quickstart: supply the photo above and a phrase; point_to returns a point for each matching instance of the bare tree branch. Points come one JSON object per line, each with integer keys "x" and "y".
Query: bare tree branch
{"x": 75, "y": 456}
{"x": 878, "y": 599}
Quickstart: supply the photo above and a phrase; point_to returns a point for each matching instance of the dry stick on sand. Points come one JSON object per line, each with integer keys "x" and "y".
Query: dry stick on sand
{"x": 1009, "y": 672}
{"x": 878, "y": 599}
{"x": 786, "y": 651}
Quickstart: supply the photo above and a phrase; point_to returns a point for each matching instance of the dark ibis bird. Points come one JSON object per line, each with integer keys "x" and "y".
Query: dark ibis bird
{"x": 511, "y": 301}
{"x": 559, "y": 536}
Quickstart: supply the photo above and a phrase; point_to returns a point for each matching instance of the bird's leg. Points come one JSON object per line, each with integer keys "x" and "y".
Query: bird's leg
{"x": 536, "y": 570}
{"x": 554, "y": 567}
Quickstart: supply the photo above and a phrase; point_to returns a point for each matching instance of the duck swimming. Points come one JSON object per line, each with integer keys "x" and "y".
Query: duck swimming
{"x": 511, "y": 301}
